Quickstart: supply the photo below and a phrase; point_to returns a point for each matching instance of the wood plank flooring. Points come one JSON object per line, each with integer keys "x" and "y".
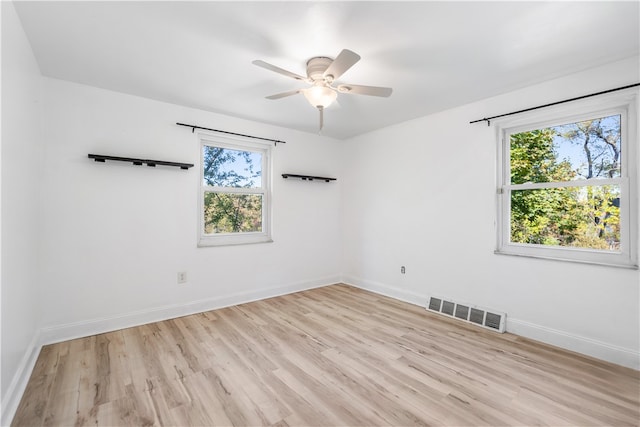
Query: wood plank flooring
{"x": 334, "y": 356}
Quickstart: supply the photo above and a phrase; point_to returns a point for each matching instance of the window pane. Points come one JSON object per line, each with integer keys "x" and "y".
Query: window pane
{"x": 231, "y": 168}
{"x": 582, "y": 150}
{"x": 583, "y": 217}
{"x": 232, "y": 213}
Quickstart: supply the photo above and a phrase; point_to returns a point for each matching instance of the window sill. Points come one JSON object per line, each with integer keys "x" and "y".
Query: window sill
{"x": 207, "y": 242}
{"x": 603, "y": 263}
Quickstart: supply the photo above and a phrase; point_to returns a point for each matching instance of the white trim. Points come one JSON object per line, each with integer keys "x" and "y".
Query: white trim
{"x": 11, "y": 398}
{"x": 236, "y": 144}
{"x": 625, "y": 104}
{"x": 596, "y": 182}
{"x": 629, "y": 358}
{"x": 590, "y": 347}
{"x": 232, "y": 190}
{"x": 388, "y": 291}
{"x": 533, "y": 254}
{"x": 67, "y": 331}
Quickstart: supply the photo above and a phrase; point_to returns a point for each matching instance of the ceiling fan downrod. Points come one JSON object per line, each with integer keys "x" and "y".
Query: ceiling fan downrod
{"x": 321, "y": 109}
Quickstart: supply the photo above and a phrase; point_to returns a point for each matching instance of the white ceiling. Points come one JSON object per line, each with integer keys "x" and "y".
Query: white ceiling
{"x": 435, "y": 55}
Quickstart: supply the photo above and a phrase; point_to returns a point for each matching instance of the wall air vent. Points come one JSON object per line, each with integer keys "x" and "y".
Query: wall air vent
{"x": 448, "y": 307}
{"x": 490, "y": 319}
{"x": 476, "y": 316}
{"x": 434, "y": 304}
{"x": 462, "y": 312}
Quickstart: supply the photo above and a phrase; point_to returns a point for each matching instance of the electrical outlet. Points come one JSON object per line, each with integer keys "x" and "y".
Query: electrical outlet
{"x": 182, "y": 277}
{"x": 402, "y": 269}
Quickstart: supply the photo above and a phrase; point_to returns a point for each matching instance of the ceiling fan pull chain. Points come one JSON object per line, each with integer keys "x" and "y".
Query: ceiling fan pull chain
{"x": 321, "y": 109}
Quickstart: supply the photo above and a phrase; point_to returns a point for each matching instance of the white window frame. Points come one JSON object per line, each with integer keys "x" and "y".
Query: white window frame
{"x": 225, "y": 239}
{"x": 624, "y": 103}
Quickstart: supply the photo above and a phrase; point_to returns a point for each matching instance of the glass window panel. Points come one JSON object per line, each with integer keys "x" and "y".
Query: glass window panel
{"x": 582, "y": 217}
{"x": 590, "y": 149}
{"x": 232, "y": 213}
{"x": 224, "y": 167}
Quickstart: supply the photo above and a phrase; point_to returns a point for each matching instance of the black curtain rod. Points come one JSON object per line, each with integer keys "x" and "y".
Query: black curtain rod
{"x": 488, "y": 119}
{"x": 194, "y": 127}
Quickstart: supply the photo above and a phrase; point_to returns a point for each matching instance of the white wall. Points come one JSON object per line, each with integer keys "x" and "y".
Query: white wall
{"x": 115, "y": 235}
{"x": 21, "y": 181}
{"x": 422, "y": 194}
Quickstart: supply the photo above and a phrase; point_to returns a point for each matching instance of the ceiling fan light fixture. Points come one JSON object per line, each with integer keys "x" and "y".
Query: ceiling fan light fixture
{"x": 320, "y": 96}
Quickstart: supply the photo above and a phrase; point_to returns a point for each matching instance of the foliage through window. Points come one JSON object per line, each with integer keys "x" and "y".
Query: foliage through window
{"x": 234, "y": 196}
{"x": 565, "y": 189}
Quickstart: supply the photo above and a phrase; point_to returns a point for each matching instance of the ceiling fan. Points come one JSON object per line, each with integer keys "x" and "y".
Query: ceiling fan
{"x": 322, "y": 73}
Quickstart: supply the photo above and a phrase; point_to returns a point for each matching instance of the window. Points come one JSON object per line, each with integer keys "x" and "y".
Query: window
{"x": 567, "y": 183}
{"x": 234, "y": 192}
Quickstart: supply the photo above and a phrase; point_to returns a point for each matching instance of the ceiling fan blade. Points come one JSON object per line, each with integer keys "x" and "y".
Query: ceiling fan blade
{"x": 283, "y": 94}
{"x": 345, "y": 60}
{"x": 365, "y": 90}
{"x": 279, "y": 70}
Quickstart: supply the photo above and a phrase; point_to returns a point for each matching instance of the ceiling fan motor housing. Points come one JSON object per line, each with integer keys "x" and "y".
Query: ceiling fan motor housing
{"x": 317, "y": 66}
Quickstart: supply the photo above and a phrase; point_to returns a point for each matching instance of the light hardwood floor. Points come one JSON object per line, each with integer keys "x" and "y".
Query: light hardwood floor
{"x": 330, "y": 356}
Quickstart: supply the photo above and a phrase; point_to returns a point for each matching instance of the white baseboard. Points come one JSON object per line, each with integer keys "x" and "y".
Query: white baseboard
{"x": 388, "y": 291}
{"x": 57, "y": 333}
{"x": 594, "y": 348}
{"x": 600, "y": 350}
{"x": 64, "y": 332}
{"x": 12, "y": 396}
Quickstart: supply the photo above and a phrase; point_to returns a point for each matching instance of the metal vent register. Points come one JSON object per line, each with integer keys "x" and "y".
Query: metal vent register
{"x": 489, "y": 319}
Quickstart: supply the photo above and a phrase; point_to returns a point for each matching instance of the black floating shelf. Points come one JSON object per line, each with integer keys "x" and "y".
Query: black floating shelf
{"x": 308, "y": 177}
{"x": 150, "y": 163}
